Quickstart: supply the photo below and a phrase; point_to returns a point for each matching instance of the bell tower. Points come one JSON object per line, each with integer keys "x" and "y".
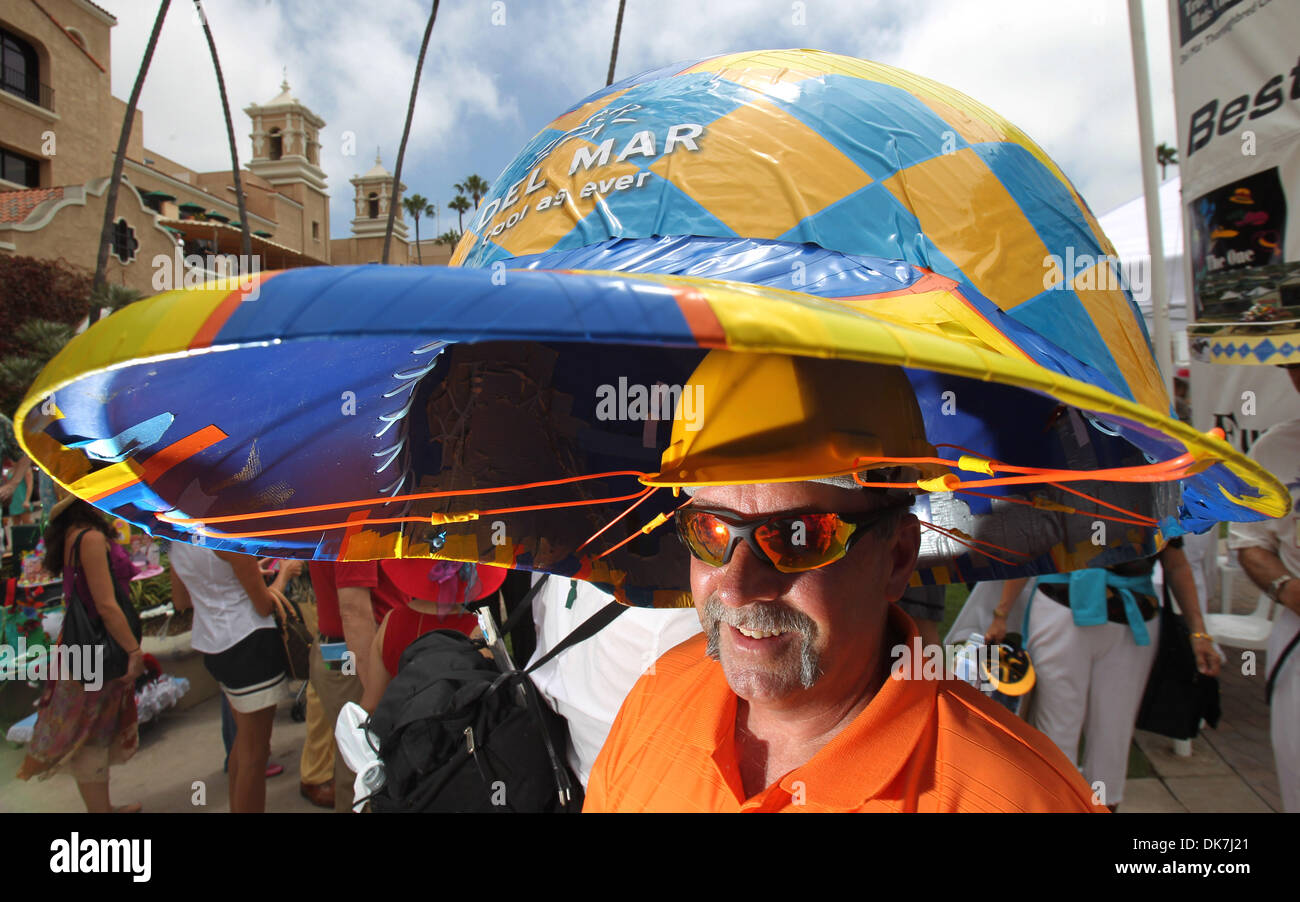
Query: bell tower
{"x": 373, "y": 192}
{"x": 286, "y": 152}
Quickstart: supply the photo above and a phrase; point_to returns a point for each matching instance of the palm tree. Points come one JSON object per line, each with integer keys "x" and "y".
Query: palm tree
{"x": 613, "y": 53}
{"x": 110, "y": 201}
{"x": 417, "y": 205}
{"x": 247, "y": 242}
{"x": 113, "y": 297}
{"x": 406, "y": 131}
{"x": 1166, "y": 155}
{"x": 451, "y": 237}
{"x": 474, "y": 186}
{"x": 461, "y": 205}
{"x": 38, "y": 340}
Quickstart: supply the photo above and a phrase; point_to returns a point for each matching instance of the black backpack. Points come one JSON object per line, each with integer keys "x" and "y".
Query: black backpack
{"x": 456, "y": 734}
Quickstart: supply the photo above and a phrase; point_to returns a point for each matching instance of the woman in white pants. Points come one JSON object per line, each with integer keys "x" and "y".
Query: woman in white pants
{"x": 1090, "y": 678}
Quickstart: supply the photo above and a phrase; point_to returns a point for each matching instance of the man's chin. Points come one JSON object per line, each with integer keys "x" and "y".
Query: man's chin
{"x": 763, "y": 675}
{"x": 762, "y": 687}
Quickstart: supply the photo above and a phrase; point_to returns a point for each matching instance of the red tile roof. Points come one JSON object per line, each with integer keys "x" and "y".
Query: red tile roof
{"x": 16, "y": 205}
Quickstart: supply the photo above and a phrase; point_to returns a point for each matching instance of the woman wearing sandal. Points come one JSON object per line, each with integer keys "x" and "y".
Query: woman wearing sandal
{"x": 242, "y": 649}
{"x": 83, "y": 728}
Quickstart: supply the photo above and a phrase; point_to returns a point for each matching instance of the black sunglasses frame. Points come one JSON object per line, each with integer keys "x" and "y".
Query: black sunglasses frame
{"x": 742, "y": 529}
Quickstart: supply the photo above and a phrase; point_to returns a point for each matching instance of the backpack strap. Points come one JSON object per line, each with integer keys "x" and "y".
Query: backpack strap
{"x": 521, "y": 610}
{"x": 524, "y": 607}
{"x": 588, "y": 628}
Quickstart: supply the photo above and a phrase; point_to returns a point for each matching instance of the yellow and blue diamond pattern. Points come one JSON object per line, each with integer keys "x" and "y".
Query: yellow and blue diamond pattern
{"x": 806, "y": 147}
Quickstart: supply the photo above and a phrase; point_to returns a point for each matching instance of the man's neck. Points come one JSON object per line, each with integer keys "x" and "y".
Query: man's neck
{"x": 772, "y": 740}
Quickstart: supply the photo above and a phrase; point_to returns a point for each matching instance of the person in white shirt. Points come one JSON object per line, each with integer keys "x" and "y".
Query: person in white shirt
{"x": 588, "y": 682}
{"x": 1269, "y": 552}
{"x": 242, "y": 649}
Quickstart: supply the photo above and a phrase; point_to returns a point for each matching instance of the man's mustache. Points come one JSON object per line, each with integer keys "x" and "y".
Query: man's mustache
{"x": 768, "y": 616}
{"x": 765, "y": 616}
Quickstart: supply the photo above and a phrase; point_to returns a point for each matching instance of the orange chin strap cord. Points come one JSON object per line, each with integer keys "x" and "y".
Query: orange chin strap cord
{"x": 200, "y": 524}
{"x": 1164, "y": 471}
{"x": 970, "y": 542}
{"x": 414, "y": 496}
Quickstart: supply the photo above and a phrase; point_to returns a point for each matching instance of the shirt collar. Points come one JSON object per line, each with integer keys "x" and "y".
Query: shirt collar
{"x": 865, "y": 756}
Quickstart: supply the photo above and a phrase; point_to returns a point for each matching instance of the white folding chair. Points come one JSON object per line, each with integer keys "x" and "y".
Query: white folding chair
{"x": 1248, "y": 631}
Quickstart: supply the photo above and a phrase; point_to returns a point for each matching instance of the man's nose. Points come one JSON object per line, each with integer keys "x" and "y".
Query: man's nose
{"x": 747, "y": 579}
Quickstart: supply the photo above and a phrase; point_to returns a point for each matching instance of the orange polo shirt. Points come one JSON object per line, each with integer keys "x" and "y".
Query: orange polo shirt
{"x": 919, "y": 745}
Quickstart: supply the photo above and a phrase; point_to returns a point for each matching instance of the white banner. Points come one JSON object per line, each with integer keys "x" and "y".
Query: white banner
{"x": 1237, "y": 98}
{"x": 1242, "y": 401}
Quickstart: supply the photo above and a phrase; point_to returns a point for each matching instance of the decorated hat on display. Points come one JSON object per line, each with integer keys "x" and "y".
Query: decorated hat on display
{"x": 760, "y": 267}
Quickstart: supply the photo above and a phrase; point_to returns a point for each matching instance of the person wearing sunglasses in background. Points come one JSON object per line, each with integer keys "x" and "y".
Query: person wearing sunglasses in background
{"x": 787, "y": 703}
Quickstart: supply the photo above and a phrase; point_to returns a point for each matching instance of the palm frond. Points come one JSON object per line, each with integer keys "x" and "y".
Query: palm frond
{"x": 43, "y": 337}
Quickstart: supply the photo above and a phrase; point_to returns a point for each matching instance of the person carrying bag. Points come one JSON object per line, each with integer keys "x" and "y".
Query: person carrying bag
{"x": 458, "y": 732}
{"x": 81, "y": 630}
{"x": 88, "y": 725}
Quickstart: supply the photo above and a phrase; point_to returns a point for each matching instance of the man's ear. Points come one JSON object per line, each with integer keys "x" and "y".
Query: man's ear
{"x": 900, "y": 557}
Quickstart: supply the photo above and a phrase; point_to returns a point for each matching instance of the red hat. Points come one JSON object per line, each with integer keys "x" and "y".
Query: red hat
{"x": 441, "y": 581}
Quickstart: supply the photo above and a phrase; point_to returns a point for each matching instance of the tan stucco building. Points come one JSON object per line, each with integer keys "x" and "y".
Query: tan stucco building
{"x": 59, "y": 126}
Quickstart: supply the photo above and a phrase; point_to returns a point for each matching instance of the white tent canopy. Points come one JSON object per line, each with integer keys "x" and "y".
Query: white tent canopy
{"x": 1126, "y": 227}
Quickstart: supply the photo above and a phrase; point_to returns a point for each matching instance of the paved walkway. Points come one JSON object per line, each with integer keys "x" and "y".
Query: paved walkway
{"x": 180, "y": 753}
{"x": 1231, "y": 768}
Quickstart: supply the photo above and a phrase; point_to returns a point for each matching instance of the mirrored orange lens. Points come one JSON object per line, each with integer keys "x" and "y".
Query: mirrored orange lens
{"x": 707, "y": 536}
{"x": 805, "y": 542}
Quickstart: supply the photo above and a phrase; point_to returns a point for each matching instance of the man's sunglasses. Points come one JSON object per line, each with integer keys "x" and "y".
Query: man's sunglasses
{"x": 792, "y": 543}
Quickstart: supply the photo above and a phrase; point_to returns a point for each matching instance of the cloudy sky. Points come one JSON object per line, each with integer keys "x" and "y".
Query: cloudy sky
{"x": 498, "y": 70}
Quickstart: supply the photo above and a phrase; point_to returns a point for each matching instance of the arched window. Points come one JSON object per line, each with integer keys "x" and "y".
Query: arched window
{"x": 277, "y": 144}
{"x": 20, "y": 71}
{"x": 374, "y": 205}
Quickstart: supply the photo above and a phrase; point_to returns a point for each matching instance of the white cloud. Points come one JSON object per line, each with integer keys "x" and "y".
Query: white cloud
{"x": 1062, "y": 72}
{"x": 352, "y": 68}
